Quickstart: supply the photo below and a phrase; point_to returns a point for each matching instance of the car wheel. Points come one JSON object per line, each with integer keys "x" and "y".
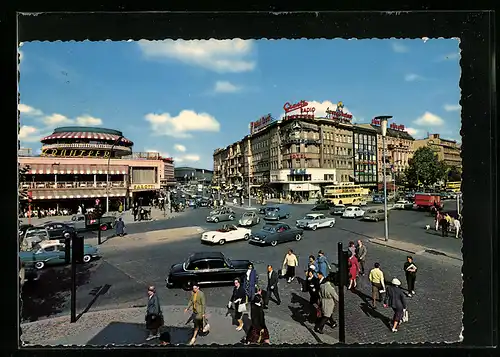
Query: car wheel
{"x": 314, "y": 227}
{"x": 188, "y": 285}
{"x": 274, "y": 243}
{"x": 258, "y": 220}
{"x": 298, "y": 237}
{"x": 87, "y": 258}
{"x": 247, "y": 236}
{"x": 39, "y": 265}
{"x": 222, "y": 241}
{"x": 376, "y": 219}
{"x": 332, "y": 224}
{"x": 216, "y": 220}
{"x": 287, "y": 216}
{"x": 231, "y": 218}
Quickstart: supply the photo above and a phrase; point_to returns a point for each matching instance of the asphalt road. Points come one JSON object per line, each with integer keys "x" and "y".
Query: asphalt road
{"x": 125, "y": 272}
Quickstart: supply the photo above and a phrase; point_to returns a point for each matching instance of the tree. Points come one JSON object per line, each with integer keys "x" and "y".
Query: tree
{"x": 23, "y": 192}
{"x": 425, "y": 168}
{"x": 454, "y": 174}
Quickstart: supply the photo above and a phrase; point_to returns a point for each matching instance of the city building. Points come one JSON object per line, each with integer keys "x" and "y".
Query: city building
{"x": 186, "y": 174}
{"x": 365, "y": 155}
{"x": 447, "y": 150}
{"x": 78, "y": 165}
{"x": 298, "y": 154}
{"x": 399, "y": 151}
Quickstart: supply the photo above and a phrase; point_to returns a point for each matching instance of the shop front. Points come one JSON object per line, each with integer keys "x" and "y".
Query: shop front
{"x": 143, "y": 194}
{"x": 306, "y": 191}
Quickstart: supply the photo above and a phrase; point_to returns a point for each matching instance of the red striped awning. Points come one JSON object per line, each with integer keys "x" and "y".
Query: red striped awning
{"x": 85, "y": 135}
{"x": 46, "y": 169}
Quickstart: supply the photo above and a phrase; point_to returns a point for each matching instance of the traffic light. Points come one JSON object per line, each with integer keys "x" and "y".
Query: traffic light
{"x": 77, "y": 248}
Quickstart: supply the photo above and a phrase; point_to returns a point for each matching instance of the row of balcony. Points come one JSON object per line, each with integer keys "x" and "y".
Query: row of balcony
{"x": 74, "y": 184}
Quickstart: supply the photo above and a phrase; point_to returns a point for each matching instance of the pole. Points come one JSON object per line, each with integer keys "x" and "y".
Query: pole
{"x": 386, "y": 228}
{"x": 99, "y": 238}
{"x": 458, "y": 204}
{"x": 107, "y": 172}
{"x": 249, "y": 199}
{"x": 73, "y": 288}
{"x": 341, "y": 280}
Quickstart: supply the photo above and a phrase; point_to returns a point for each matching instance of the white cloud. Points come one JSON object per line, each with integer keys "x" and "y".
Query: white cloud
{"x": 21, "y": 55}
{"x": 399, "y": 48}
{"x": 452, "y": 107}
{"x": 221, "y": 56}
{"x": 162, "y": 153}
{"x": 188, "y": 157}
{"x": 180, "y": 148}
{"x": 56, "y": 119}
{"x": 225, "y": 87}
{"x": 183, "y": 124}
{"x": 411, "y": 77}
{"x": 413, "y": 132}
{"x": 87, "y": 120}
{"x": 29, "y": 134}
{"x": 429, "y": 119}
{"x": 27, "y": 110}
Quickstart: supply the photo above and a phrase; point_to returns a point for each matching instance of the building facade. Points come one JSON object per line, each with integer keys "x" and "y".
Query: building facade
{"x": 185, "y": 174}
{"x": 448, "y": 151}
{"x": 365, "y": 155}
{"x": 79, "y": 165}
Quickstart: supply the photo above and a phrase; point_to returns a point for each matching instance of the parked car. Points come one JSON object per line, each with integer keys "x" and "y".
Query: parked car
{"x": 206, "y": 268}
{"x": 224, "y": 214}
{"x": 323, "y": 206}
{"x": 249, "y": 219}
{"x": 52, "y": 252}
{"x": 277, "y": 212}
{"x": 274, "y": 233}
{"x": 23, "y": 228}
{"x": 314, "y": 221}
{"x": 375, "y": 215}
{"x": 403, "y": 204}
{"x": 353, "y": 212}
{"x": 338, "y": 210}
{"x": 227, "y": 233}
{"x": 33, "y": 236}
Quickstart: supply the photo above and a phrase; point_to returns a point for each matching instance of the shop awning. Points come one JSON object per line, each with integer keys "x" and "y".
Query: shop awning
{"x": 85, "y": 135}
{"x": 71, "y": 194}
{"x": 77, "y": 169}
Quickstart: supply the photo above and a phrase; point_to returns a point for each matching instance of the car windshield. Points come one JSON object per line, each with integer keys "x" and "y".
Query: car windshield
{"x": 269, "y": 229}
{"x": 309, "y": 217}
{"x": 372, "y": 211}
{"x": 35, "y": 232}
{"x": 247, "y": 215}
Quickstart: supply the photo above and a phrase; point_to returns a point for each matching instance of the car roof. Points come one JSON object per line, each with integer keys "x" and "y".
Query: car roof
{"x": 315, "y": 214}
{"x": 206, "y": 255}
{"x": 47, "y": 243}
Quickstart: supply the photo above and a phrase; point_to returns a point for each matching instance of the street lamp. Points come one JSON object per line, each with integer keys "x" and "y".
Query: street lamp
{"x": 107, "y": 171}
{"x": 383, "y": 125}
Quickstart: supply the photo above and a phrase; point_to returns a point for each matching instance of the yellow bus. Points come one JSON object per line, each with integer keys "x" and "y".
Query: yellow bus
{"x": 346, "y": 193}
{"x": 454, "y": 186}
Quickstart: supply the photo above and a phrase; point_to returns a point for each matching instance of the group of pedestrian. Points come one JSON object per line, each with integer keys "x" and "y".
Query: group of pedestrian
{"x": 447, "y": 223}
{"x": 140, "y": 213}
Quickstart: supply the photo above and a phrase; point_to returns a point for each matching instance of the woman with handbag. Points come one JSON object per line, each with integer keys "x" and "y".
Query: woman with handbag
{"x": 154, "y": 316}
{"x": 197, "y": 304}
{"x": 238, "y": 302}
{"x": 290, "y": 263}
{"x": 258, "y": 332}
{"x": 395, "y": 298}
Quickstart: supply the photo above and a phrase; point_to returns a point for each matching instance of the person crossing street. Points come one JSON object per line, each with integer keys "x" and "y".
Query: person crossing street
{"x": 272, "y": 287}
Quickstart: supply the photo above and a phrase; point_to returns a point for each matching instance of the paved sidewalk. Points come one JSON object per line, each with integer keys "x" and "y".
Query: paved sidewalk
{"x": 126, "y": 327}
{"x": 412, "y": 248}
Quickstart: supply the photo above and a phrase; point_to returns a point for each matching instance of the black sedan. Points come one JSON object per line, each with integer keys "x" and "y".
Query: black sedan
{"x": 338, "y": 210}
{"x": 206, "y": 268}
{"x": 56, "y": 229}
{"x": 274, "y": 233}
{"x": 323, "y": 206}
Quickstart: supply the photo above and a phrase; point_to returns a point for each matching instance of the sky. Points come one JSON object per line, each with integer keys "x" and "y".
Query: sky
{"x": 184, "y": 99}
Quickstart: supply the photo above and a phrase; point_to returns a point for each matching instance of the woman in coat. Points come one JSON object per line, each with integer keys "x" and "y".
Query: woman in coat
{"x": 395, "y": 298}
{"x": 353, "y": 271}
{"x": 197, "y": 304}
{"x": 154, "y": 316}
{"x": 328, "y": 296}
{"x": 238, "y": 298}
{"x": 323, "y": 265}
{"x": 120, "y": 227}
{"x": 250, "y": 282}
{"x": 312, "y": 287}
{"x": 258, "y": 332}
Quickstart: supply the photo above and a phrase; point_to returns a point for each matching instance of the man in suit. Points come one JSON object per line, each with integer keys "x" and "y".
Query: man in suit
{"x": 272, "y": 286}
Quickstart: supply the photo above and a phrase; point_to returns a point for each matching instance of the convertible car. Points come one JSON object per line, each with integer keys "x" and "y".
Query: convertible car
{"x": 274, "y": 233}
{"x": 206, "y": 268}
{"x": 227, "y": 233}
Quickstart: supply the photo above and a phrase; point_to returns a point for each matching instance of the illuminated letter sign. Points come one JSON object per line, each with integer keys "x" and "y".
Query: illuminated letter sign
{"x": 338, "y": 114}
{"x": 291, "y": 107}
{"x": 144, "y": 187}
{"x": 76, "y": 153}
{"x": 397, "y": 127}
{"x": 260, "y": 124}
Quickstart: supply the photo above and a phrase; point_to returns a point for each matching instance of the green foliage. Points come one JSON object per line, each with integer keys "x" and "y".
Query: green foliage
{"x": 453, "y": 174}
{"x": 23, "y": 171}
{"x": 425, "y": 169}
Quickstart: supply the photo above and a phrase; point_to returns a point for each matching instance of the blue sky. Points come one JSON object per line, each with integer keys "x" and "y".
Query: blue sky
{"x": 187, "y": 98}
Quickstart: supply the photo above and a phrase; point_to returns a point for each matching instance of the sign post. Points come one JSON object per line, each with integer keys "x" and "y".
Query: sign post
{"x": 30, "y": 197}
{"x": 342, "y": 281}
{"x": 98, "y": 214}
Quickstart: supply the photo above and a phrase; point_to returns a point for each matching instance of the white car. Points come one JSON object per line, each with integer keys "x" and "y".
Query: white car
{"x": 403, "y": 204}
{"x": 314, "y": 221}
{"x": 227, "y": 233}
{"x": 353, "y": 212}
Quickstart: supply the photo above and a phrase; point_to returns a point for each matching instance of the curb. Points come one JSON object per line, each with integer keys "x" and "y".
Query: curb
{"x": 421, "y": 249}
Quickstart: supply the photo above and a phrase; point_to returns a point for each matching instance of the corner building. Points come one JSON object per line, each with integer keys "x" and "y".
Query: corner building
{"x": 448, "y": 151}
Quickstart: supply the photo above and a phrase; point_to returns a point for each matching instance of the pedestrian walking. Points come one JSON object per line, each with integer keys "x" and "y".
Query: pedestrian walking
{"x": 376, "y": 277}
{"x": 313, "y": 288}
{"x": 290, "y": 263}
{"x": 197, "y": 304}
{"x": 272, "y": 287}
{"x": 437, "y": 220}
{"x": 120, "y": 227}
{"x": 353, "y": 265}
{"x": 250, "y": 281}
{"x": 458, "y": 227}
{"x": 164, "y": 338}
{"x": 361, "y": 252}
{"x": 238, "y": 303}
{"x": 328, "y": 297}
{"x": 411, "y": 274}
{"x": 258, "y": 332}
{"x": 352, "y": 248}
{"x": 444, "y": 226}
{"x": 395, "y": 299}
{"x": 322, "y": 263}
{"x": 154, "y": 315}
{"x": 312, "y": 265}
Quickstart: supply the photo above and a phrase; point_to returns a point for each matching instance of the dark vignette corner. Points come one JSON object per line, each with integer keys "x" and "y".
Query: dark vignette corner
{"x": 477, "y": 119}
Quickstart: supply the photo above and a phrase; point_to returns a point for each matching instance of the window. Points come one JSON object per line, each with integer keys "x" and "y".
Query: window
{"x": 50, "y": 248}
{"x": 297, "y": 162}
{"x": 199, "y": 265}
{"x": 297, "y": 148}
{"x": 217, "y": 264}
{"x": 349, "y": 139}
